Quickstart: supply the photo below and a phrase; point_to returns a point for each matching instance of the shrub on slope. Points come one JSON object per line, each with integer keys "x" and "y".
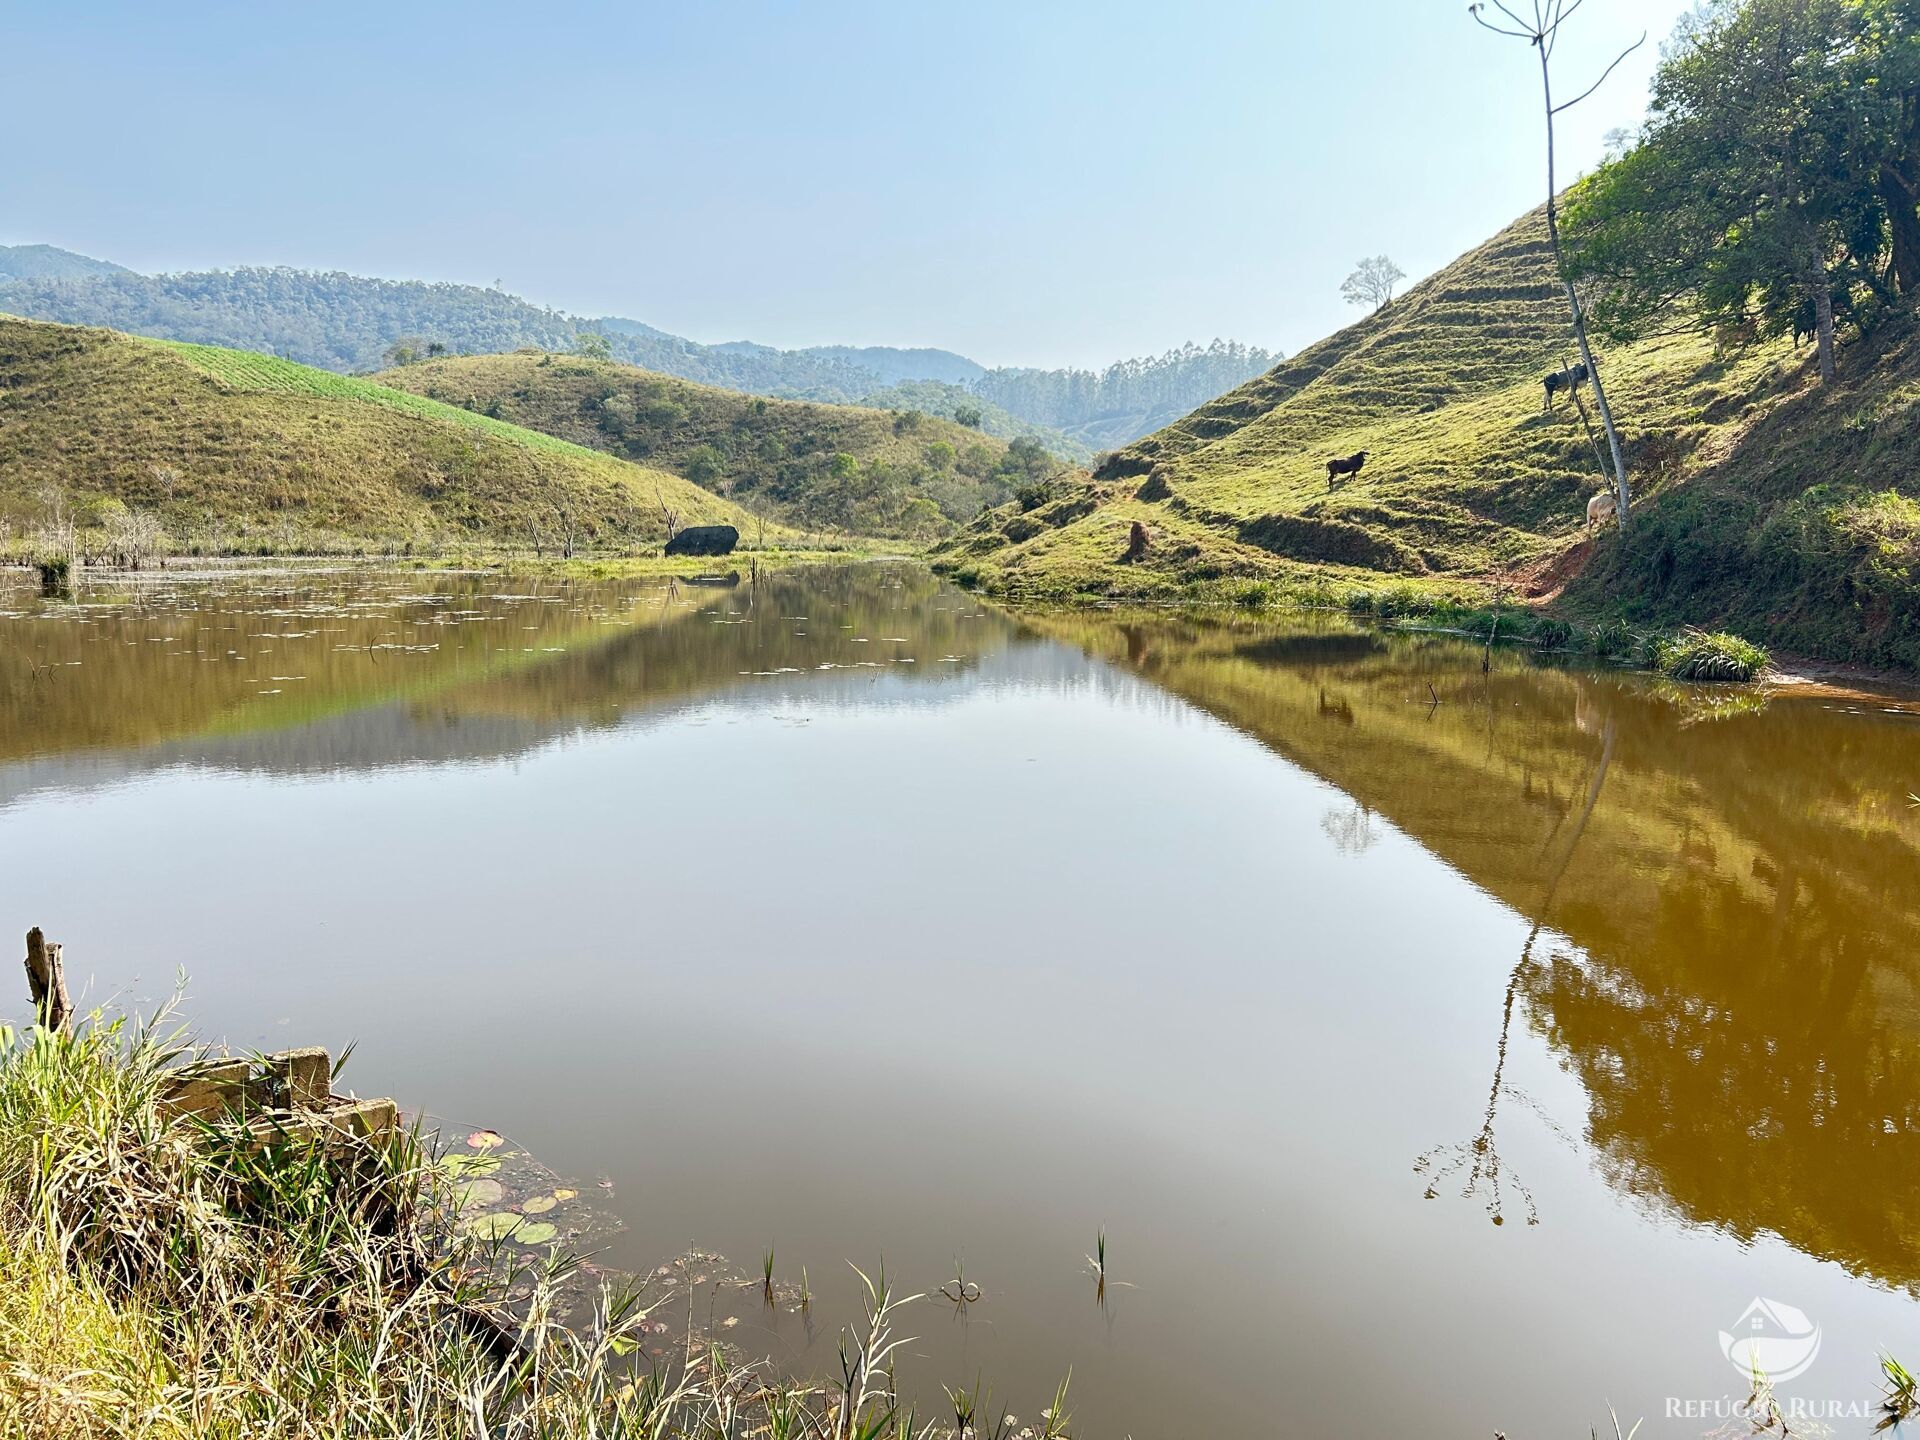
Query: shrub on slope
{"x": 1802, "y": 525}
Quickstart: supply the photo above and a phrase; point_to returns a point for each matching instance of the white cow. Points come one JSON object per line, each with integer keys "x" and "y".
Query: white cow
{"x": 1604, "y": 506}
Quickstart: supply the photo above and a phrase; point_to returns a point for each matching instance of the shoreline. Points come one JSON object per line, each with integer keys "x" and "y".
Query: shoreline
{"x": 1798, "y": 673}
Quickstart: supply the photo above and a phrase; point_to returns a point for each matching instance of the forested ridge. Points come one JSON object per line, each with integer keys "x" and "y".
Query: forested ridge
{"x": 820, "y": 467}
{"x": 356, "y": 324}
{"x": 1129, "y": 398}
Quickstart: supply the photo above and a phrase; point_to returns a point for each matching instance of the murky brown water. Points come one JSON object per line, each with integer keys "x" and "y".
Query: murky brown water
{"x": 846, "y": 916}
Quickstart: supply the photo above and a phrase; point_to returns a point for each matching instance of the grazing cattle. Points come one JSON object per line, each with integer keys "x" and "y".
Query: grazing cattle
{"x": 1568, "y": 380}
{"x": 704, "y": 540}
{"x": 1345, "y": 465}
{"x": 1806, "y": 324}
{"x": 1603, "y": 506}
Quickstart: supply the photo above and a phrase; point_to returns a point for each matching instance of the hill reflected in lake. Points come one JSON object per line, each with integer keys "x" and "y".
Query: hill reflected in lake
{"x": 1724, "y": 889}
{"x": 363, "y": 672}
{"x": 1290, "y": 953}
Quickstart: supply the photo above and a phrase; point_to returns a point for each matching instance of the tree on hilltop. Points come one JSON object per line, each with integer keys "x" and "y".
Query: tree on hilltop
{"x": 1372, "y": 282}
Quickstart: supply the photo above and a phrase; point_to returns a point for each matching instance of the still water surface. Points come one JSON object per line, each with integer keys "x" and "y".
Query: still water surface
{"x": 1441, "y": 1052}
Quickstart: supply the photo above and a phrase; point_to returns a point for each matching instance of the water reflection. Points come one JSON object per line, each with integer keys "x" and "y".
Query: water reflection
{"x": 1724, "y": 889}
{"x": 359, "y": 671}
{"x": 1480, "y": 1156}
{"x": 1203, "y": 931}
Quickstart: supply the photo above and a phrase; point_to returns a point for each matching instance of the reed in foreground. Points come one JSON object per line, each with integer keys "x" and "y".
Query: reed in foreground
{"x": 159, "y": 1279}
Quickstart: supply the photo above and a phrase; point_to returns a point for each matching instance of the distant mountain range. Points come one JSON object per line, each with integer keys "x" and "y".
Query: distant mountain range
{"x": 352, "y": 324}
{"x": 49, "y": 262}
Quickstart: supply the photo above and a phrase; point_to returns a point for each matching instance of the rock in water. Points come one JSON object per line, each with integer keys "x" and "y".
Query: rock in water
{"x": 704, "y": 540}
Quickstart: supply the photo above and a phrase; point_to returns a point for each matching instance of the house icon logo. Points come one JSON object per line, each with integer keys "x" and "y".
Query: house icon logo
{"x": 1772, "y": 1339}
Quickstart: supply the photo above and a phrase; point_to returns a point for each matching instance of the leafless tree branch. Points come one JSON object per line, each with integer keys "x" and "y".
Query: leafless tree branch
{"x": 1486, "y": 24}
{"x": 1569, "y": 104}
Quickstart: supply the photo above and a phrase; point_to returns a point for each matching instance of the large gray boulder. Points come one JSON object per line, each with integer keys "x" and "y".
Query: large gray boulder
{"x": 704, "y": 540}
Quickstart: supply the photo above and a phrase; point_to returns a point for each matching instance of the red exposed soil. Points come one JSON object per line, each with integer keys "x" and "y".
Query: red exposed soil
{"x": 1542, "y": 580}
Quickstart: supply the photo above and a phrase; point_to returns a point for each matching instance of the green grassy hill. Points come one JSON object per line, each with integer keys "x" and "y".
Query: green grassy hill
{"x": 838, "y": 466}
{"x": 233, "y": 450}
{"x": 1757, "y": 499}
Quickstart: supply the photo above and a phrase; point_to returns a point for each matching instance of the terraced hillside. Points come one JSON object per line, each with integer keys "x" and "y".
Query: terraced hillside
{"x": 236, "y": 450}
{"x": 839, "y": 466}
{"x": 1761, "y": 502}
{"x": 1465, "y": 471}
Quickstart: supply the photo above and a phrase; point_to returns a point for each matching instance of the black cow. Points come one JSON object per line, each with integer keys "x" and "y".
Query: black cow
{"x": 1345, "y": 465}
{"x": 704, "y": 540}
{"x": 1806, "y": 324}
{"x": 1568, "y": 380}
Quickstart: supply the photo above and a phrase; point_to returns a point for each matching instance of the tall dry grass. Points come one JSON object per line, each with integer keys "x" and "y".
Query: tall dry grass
{"x": 159, "y": 1278}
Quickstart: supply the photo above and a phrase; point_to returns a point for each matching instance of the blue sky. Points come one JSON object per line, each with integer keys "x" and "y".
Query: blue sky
{"x": 1027, "y": 183}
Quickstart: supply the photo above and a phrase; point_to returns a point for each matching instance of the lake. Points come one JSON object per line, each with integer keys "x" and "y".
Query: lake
{"x": 1439, "y": 1051}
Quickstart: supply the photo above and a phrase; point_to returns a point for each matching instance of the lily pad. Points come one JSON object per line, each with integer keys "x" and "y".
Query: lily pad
{"x": 459, "y": 1165}
{"x": 486, "y": 1140}
{"x": 496, "y": 1226}
{"x": 538, "y": 1204}
{"x": 565, "y": 1194}
{"x": 474, "y": 1193}
{"x": 534, "y": 1232}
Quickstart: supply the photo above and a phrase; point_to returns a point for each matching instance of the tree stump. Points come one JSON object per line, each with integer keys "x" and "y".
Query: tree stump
{"x": 1137, "y": 541}
{"x": 47, "y": 983}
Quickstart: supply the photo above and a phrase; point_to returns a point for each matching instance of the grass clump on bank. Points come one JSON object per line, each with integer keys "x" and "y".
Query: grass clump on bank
{"x": 1700, "y": 655}
{"x": 159, "y": 1277}
{"x": 1475, "y": 612}
{"x": 1688, "y": 655}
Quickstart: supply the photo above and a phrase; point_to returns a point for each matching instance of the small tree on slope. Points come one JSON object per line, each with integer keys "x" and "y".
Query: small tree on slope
{"x": 1372, "y": 282}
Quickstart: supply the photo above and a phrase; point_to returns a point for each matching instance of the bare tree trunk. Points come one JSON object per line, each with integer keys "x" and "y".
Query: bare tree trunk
{"x": 1823, "y": 318}
{"x": 1579, "y": 317}
{"x": 1899, "y": 186}
{"x": 47, "y": 983}
{"x": 1903, "y": 211}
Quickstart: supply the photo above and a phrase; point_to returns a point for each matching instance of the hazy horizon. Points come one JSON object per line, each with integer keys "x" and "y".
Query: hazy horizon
{"x": 1070, "y": 188}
